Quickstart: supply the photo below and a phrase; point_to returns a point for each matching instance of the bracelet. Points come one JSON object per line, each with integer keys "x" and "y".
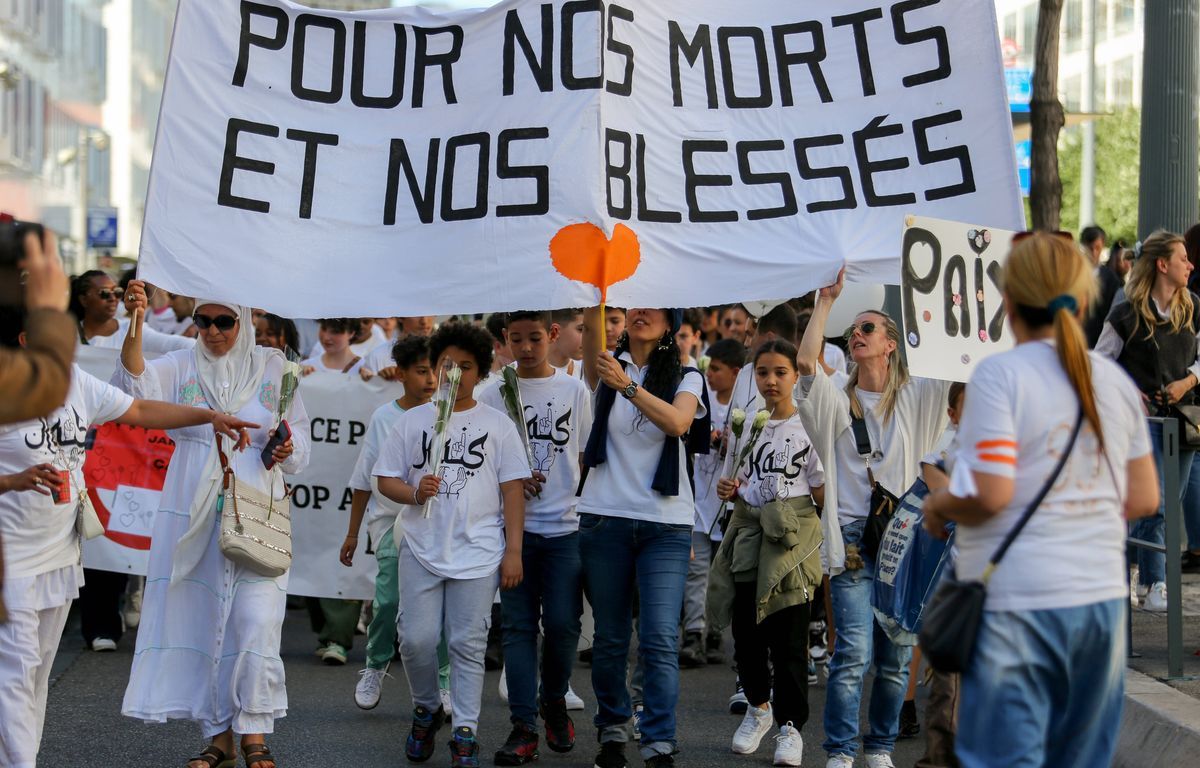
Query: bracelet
{"x": 416, "y": 497}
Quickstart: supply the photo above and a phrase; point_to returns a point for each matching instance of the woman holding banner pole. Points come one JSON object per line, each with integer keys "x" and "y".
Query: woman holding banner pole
{"x": 870, "y": 437}
{"x": 635, "y": 522}
{"x": 41, "y": 484}
{"x": 208, "y": 645}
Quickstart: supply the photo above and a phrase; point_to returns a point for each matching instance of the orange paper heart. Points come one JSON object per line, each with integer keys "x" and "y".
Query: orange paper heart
{"x": 582, "y": 252}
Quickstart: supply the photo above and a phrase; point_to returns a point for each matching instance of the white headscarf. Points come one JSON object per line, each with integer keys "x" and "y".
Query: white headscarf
{"x": 229, "y": 382}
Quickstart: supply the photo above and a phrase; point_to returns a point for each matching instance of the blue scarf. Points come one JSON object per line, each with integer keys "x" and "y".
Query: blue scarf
{"x": 666, "y": 475}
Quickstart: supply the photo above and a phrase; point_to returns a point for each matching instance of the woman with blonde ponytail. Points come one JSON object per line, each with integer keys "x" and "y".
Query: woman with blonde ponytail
{"x": 1153, "y": 337}
{"x": 1054, "y": 615}
{"x": 903, "y": 418}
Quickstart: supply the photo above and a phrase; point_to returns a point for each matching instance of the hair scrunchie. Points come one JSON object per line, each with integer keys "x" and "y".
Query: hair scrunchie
{"x": 1065, "y": 301}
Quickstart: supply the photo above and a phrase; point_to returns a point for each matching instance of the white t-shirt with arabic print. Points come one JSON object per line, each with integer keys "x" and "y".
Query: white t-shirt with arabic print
{"x": 463, "y": 537}
{"x": 782, "y": 464}
{"x": 39, "y": 535}
{"x": 558, "y": 419}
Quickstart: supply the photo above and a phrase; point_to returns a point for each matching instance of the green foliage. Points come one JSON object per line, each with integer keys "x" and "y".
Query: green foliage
{"x": 1118, "y": 155}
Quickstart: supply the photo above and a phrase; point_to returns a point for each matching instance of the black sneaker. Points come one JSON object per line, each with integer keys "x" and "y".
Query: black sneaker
{"x": 660, "y": 761}
{"x": 909, "y": 727}
{"x": 691, "y": 655}
{"x": 425, "y": 724}
{"x": 611, "y": 755}
{"x": 738, "y": 704}
{"x": 521, "y": 746}
{"x": 1190, "y": 562}
{"x": 712, "y": 649}
{"x": 585, "y": 657}
{"x": 464, "y": 750}
{"x": 560, "y": 729}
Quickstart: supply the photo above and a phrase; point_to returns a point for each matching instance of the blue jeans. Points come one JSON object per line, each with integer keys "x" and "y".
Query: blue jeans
{"x": 1191, "y": 505}
{"x": 616, "y": 552}
{"x": 1045, "y": 688}
{"x": 549, "y": 594}
{"x": 1152, "y": 566}
{"x": 860, "y": 641}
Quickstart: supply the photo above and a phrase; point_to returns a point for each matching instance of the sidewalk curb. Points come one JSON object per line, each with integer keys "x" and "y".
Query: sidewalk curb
{"x": 1158, "y": 721}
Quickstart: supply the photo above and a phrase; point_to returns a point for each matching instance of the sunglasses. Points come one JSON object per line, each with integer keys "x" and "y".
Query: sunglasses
{"x": 1031, "y": 232}
{"x": 115, "y": 293}
{"x": 867, "y": 329}
{"x": 222, "y": 322}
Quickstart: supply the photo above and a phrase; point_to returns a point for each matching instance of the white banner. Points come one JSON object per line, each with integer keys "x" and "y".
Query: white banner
{"x": 531, "y": 154}
{"x": 126, "y": 468}
{"x": 950, "y": 292}
{"x": 339, "y": 408}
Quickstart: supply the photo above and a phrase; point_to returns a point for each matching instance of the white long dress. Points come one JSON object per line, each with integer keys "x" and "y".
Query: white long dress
{"x": 208, "y": 645}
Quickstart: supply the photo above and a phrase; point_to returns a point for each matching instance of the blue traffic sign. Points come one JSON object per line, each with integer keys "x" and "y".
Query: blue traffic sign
{"x": 102, "y": 228}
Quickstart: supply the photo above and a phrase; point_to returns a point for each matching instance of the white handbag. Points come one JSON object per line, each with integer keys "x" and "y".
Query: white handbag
{"x": 256, "y": 529}
{"x": 87, "y": 522}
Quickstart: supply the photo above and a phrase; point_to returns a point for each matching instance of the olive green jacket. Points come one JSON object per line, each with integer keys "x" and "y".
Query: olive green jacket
{"x": 778, "y": 546}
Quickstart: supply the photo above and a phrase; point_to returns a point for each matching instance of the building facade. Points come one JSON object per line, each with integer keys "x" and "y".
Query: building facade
{"x": 53, "y": 83}
{"x": 1118, "y": 32}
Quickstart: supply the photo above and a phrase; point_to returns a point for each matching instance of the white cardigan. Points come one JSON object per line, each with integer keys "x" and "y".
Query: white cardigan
{"x": 917, "y": 423}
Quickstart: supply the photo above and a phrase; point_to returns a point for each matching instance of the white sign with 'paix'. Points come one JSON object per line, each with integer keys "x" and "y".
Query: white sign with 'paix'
{"x": 950, "y": 289}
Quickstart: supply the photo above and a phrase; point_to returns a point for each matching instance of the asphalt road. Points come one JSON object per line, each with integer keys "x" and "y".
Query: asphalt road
{"x": 84, "y": 727}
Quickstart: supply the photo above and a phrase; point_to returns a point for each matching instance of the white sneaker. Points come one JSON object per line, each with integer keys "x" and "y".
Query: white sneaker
{"x": 789, "y": 747}
{"x": 1156, "y": 598}
{"x": 503, "y": 686}
{"x": 756, "y": 724}
{"x": 369, "y": 690}
{"x": 574, "y": 703}
{"x": 1142, "y": 591}
{"x": 879, "y": 760}
{"x": 840, "y": 761}
{"x": 104, "y": 644}
{"x": 133, "y": 609}
{"x": 444, "y": 694}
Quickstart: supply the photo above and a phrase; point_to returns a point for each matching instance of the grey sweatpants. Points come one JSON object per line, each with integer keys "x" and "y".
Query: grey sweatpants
{"x": 696, "y": 586}
{"x": 462, "y": 608}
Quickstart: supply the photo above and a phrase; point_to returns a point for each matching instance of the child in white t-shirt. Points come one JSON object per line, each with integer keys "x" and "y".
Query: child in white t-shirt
{"x": 566, "y": 352}
{"x": 556, "y": 416}
{"x": 452, "y": 560}
{"x": 726, "y": 358}
{"x": 335, "y": 335}
{"x": 769, "y": 563}
{"x": 415, "y": 372}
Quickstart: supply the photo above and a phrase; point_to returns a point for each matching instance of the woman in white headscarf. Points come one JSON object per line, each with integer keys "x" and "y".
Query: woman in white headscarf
{"x": 208, "y": 644}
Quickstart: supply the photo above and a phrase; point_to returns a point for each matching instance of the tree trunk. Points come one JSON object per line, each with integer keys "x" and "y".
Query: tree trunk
{"x": 1046, "y": 120}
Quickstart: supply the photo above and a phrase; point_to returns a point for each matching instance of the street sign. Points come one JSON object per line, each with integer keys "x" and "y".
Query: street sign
{"x": 1019, "y": 81}
{"x": 1024, "y": 164}
{"x": 102, "y": 228}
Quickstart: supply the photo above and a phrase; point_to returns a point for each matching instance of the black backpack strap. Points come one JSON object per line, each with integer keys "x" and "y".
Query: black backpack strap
{"x": 862, "y": 438}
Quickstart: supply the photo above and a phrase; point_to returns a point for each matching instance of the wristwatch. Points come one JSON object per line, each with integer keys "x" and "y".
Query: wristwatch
{"x": 630, "y": 390}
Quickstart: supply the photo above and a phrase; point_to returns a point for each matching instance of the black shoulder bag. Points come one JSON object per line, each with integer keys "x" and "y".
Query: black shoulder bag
{"x": 954, "y": 614}
{"x": 883, "y": 501}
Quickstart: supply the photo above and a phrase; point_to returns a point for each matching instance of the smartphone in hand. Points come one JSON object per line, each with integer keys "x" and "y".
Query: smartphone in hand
{"x": 283, "y": 433}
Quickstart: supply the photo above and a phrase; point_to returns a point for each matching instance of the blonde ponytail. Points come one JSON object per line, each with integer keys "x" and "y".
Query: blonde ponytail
{"x": 1073, "y": 355}
{"x": 1048, "y": 280}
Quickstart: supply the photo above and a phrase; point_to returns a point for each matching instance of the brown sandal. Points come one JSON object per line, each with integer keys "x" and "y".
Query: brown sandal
{"x": 257, "y": 754}
{"x": 214, "y": 757}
